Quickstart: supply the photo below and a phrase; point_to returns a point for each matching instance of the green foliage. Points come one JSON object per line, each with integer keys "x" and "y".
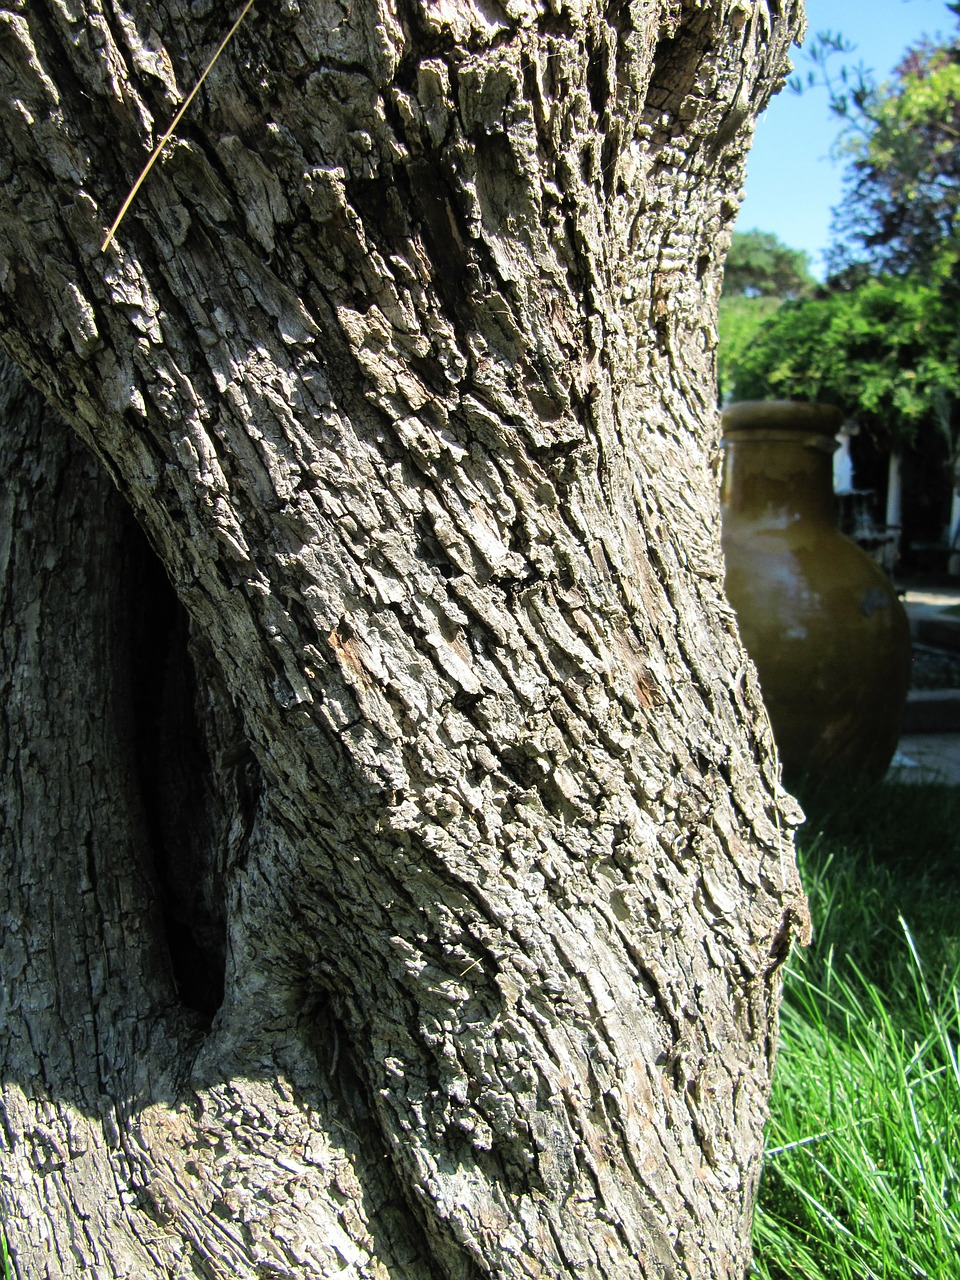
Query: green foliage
{"x": 903, "y": 182}
{"x": 862, "y": 1169}
{"x": 885, "y": 351}
{"x": 760, "y": 265}
{"x": 882, "y": 339}
{"x": 738, "y": 321}
{"x": 899, "y": 138}
{"x": 760, "y": 272}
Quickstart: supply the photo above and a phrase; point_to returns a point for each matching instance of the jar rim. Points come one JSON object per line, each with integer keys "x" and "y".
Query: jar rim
{"x": 782, "y": 415}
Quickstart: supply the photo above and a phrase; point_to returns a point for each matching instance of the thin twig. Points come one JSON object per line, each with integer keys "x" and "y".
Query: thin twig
{"x": 155, "y": 154}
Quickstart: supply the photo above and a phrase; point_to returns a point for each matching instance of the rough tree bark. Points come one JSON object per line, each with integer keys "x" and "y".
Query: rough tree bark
{"x": 404, "y": 893}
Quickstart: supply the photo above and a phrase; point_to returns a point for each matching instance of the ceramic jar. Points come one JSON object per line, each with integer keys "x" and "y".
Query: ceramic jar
{"x": 821, "y": 621}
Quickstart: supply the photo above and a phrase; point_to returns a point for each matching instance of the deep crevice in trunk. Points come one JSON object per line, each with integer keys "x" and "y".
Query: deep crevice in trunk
{"x": 176, "y": 779}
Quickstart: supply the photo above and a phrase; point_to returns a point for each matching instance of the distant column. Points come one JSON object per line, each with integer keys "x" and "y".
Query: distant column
{"x": 953, "y": 537}
{"x": 894, "y": 516}
{"x": 894, "y": 492}
{"x": 843, "y": 463}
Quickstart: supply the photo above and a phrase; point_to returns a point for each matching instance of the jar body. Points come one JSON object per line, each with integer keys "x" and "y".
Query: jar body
{"x": 821, "y": 621}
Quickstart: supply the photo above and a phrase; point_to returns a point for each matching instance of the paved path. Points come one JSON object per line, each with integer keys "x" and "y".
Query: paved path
{"x": 928, "y": 757}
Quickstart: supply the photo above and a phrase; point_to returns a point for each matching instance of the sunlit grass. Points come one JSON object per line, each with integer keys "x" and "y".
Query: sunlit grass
{"x": 862, "y": 1170}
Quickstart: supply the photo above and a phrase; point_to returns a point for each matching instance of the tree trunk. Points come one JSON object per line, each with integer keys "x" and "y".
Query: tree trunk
{"x": 404, "y": 892}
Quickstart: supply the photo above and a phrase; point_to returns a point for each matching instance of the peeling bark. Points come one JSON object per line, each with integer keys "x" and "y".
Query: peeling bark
{"x": 404, "y": 892}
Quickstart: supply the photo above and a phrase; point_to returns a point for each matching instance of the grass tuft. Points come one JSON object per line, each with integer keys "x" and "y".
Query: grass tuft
{"x": 862, "y": 1168}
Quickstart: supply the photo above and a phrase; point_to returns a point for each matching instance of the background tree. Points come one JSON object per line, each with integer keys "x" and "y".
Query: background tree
{"x": 760, "y": 265}
{"x": 884, "y": 351}
{"x": 760, "y": 272}
{"x": 901, "y": 136}
{"x": 396, "y": 879}
{"x": 882, "y": 339}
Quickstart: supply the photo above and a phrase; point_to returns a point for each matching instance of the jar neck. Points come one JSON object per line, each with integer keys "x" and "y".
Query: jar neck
{"x": 779, "y": 475}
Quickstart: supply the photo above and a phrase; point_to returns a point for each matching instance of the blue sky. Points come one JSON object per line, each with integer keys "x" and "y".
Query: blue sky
{"x": 792, "y": 184}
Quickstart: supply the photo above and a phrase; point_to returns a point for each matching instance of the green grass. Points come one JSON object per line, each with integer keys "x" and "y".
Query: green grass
{"x": 862, "y": 1170}
{"x": 5, "y": 1256}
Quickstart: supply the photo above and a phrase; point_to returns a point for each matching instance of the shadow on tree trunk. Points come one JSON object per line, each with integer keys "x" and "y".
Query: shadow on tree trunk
{"x": 130, "y": 798}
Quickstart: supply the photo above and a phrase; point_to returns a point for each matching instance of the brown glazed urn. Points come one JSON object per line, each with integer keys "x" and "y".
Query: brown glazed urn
{"x": 821, "y": 621}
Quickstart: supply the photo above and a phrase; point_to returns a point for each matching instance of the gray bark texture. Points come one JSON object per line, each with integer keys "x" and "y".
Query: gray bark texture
{"x": 395, "y": 878}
